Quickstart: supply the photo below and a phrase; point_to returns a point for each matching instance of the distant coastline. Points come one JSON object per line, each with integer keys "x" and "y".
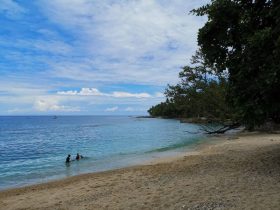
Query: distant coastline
{"x": 195, "y": 120}
{"x": 145, "y": 116}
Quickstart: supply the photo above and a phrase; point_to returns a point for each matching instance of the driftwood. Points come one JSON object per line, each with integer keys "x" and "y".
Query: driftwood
{"x": 211, "y": 130}
{"x": 207, "y": 129}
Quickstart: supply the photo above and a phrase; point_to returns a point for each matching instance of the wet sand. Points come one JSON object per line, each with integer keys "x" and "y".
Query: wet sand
{"x": 233, "y": 173}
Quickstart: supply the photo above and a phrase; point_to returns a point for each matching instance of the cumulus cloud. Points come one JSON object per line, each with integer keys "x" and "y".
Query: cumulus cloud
{"x": 82, "y": 92}
{"x": 96, "y": 92}
{"x": 112, "y": 109}
{"x": 50, "y": 105}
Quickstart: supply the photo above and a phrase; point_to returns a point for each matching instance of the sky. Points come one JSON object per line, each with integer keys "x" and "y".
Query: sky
{"x": 92, "y": 57}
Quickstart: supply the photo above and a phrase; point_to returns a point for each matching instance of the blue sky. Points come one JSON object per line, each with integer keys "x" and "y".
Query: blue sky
{"x": 92, "y": 57}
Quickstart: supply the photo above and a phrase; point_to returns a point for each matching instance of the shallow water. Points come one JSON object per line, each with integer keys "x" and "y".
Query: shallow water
{"x": 34, "y": 149}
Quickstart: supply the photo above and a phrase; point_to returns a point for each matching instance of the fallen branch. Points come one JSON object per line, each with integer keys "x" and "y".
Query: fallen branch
{"x": 211, "y": 130}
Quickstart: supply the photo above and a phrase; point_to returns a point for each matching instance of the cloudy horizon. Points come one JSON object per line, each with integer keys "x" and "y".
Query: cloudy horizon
{"x": 83, "y": 57}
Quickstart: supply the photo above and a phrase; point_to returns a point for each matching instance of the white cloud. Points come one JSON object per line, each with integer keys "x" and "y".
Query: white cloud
{"x": 142, "y": 42}
{"x": 130, "y": 95}
{"x": 43, "y": 105}
{"x": 82, "y": 92}
{"x": 94, "y": 42}
{"x": 112, "y": 109}
{"x": 96, "y": 92}
{"x": 159, "y": 95}
{"x": 90, "y": 91}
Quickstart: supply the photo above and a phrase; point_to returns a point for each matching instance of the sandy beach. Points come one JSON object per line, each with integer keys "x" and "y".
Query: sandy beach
{"x": 240, "y": 172}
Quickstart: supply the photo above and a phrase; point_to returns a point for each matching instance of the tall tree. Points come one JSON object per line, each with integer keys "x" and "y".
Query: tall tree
{"x": 242, "y": 37}
{"x": 200, "y": 93}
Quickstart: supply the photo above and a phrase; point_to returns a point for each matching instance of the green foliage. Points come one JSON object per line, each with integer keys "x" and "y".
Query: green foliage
{"x": 200, "y": 93}
{"x": 236, "y": 73}
{"x": 164, "y": 109}
{"x": 242, "y": 37}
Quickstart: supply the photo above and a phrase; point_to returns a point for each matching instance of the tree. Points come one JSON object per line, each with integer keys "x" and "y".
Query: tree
{"x": 200, "y": 93}
{"x": 164, "y": 109}
{"x": 242, "y": 37}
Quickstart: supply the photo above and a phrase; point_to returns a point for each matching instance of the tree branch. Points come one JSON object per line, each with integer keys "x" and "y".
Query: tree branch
{"x": 221, "y": 130}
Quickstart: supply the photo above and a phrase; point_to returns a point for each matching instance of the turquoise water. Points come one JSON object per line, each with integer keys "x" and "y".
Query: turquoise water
{"x": 34, "y": 149}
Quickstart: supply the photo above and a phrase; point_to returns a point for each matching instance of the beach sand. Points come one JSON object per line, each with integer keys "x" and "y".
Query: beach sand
{"x": 232, "y": 173}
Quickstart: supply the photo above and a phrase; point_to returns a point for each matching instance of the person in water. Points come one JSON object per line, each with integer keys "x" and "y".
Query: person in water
{"x": 78, "y": 156}
{"x": 68, "y": 159}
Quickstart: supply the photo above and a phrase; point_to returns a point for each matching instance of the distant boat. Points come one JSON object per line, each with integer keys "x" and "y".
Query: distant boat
{"x": 54, "y": 117}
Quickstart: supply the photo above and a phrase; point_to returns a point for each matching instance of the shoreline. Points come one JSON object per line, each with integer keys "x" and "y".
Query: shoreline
{"x": 129, "y": 160}
{"x": 151, "y": 159}
{"x": 216, "y": 173}
{"x": 138, "y": 161}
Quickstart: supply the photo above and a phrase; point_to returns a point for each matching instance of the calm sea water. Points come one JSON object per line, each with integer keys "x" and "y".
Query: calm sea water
{"x": 34, "y": 149}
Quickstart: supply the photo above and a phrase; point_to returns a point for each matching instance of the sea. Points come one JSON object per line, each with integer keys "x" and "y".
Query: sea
{"x": 33, "y": 149}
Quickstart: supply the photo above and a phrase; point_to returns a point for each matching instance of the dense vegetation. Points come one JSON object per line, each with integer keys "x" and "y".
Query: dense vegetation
{"x": 236, "y": 72}
{"x": 200, "y": 93}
